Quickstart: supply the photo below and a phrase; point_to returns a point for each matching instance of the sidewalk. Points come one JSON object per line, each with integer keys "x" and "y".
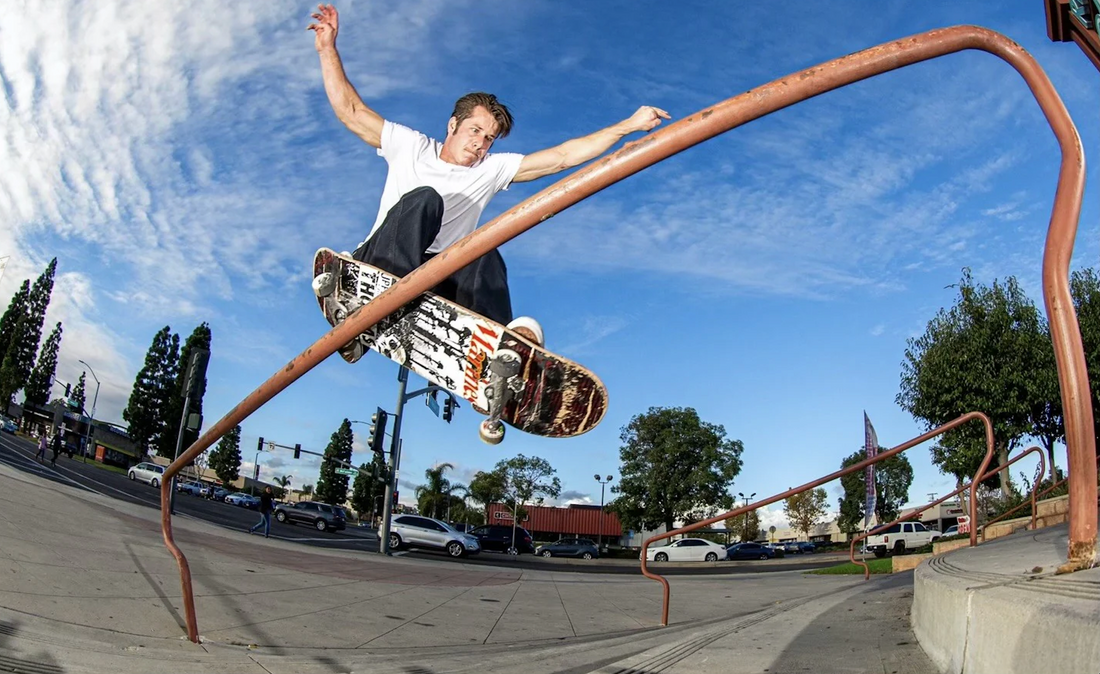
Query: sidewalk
{"x": 86, "y": 584}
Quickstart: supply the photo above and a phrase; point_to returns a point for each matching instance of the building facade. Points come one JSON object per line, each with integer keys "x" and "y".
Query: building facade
{"x": 546, "y": 523}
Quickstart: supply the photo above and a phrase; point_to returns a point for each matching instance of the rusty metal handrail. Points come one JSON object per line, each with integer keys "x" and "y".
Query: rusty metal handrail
{"x": 1034, "y": 499}
{"x": 706, "y": 124}
{"x": 973, "y": 510}
{"x": 969, "y": 416}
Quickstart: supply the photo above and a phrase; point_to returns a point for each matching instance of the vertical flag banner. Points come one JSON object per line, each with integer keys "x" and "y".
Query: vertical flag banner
{"x": 870, "y": 445}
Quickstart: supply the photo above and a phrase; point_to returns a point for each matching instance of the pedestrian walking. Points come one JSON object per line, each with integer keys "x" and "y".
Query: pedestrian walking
{"x": 56, "y": 448}
{"x": 266, "y": 506}
{"x": 43, "y": 441}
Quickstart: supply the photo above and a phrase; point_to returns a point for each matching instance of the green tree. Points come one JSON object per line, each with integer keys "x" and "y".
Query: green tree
{"x": 308, "y": 490}
{"x": 200, "y": 338}
{"x": 80, "y": 391}
{"x": 805, "y": 510}
{"x": 366, "y": 490}
{"x": 283, "y": 480}
{"x": 979, "y": 355}
{"x": 146, "y": 411}
{"x": 527, "y": 479}
{"x": 893, "y": 477}
{"x": 674, "y": 467}
{"x": 332, "y": 487}
{"x": 225, "y": 460}
{"x": 432, "y": 498}
{"x": 1085, "y": 289}
{"x": 744, "y": 527}
{"x": 18, "y": 360}
{"x": 37, "y": 390}
{"x": 17, "y": 308}
{"x": 488, "y": 487}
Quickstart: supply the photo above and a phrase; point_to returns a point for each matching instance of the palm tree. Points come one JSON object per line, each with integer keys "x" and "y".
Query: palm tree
{"x": 437, "y": 492}
{"x": 283, "y": 481}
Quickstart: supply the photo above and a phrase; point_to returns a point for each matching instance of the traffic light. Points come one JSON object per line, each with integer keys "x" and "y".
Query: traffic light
{"x": 67, "y": 387}
{"x": 394, "y": 498}
{"x": 298, "y": 451}
{"x": 377, "y": 440}
{"x": 448, "y": 408}
{"x": 260, "y": 444}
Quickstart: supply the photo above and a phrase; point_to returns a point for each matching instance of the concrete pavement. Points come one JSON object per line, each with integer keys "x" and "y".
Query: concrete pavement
{"x": 1001, "y": 607}
{"x": 86, "y": 585}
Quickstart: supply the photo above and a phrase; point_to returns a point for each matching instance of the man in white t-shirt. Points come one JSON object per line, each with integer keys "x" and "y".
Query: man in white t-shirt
{"x": 436, "y": 191}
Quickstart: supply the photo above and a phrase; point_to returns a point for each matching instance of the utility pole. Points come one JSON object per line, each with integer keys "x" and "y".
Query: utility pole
{"x": 603, "y": 484}
{"x": 395, "y": 447}
{"x": 395, "y": 462}
{"x": 196, "y": 372}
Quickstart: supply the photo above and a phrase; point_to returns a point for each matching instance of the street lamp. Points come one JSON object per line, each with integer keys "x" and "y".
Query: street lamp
{"x": 747, "y": 500}
{"x": 603, "y": 484}
{"x": 91, "y": 420}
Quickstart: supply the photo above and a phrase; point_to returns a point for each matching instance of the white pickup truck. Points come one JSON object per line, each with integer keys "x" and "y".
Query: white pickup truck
{"x": 901, "y": 537}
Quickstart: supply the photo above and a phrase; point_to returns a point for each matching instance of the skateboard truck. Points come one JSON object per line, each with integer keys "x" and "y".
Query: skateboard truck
{"x": 324, "y": 287}
{"x": 504, "y": 385}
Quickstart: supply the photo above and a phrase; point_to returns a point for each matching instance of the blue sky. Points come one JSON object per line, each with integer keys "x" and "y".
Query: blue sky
{"x": 182, "y": 162}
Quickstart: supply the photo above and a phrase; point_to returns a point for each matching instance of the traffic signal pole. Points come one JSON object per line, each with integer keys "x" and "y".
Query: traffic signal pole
{"x": 395, "y": 463}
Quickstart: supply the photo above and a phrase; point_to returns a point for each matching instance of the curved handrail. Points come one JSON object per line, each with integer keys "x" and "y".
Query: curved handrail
{"x": 1035, "y": 497}
{"x": 969, "y": 416}
{"x": 973, "y": 499}
{"x": 678, "y": 136}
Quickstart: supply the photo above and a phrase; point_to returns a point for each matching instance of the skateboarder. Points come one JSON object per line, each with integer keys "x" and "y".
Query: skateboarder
{"x": 435, "y": 192}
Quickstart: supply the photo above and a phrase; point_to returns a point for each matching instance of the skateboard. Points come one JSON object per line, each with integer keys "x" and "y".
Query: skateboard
{"x": 499, "y": 372}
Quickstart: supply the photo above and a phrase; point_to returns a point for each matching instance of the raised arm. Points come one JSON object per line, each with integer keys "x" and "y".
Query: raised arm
{"x": 349, "y": 108}
{"x": 579, "y": 150}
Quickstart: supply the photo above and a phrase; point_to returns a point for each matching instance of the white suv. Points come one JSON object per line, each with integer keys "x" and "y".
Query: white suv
{"x": 415, "y": 531}
{"x": 147, "y": 472}
{"x": 900, "y": 537}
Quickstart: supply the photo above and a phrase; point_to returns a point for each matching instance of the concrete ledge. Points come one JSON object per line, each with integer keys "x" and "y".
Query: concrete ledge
{"x": 1000, "y": 608}
{"x": 907, "y": 562}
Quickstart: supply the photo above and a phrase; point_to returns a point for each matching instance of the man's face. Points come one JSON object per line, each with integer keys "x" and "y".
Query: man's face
{"x": 468, "y": 143}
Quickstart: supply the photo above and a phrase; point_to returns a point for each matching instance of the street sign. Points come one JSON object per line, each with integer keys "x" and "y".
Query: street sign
{"x": 346, "y": 471}
{"x": 432, "y": 403}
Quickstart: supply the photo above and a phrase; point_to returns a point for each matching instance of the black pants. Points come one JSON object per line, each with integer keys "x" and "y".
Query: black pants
{"x": 399, "y": 247}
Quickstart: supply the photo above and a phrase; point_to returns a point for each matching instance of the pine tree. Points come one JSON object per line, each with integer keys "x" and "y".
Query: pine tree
{"x": 18, "y": 360}
{"x": 80, "y": 391}
{"x": 37, "y": 389}
{"x": 225, "y": 460}
{"x": 331, "y": 487}
{"x": 146, "y": 410}
{"x": 16, "y": 310}
{"x": 199, "y": 339}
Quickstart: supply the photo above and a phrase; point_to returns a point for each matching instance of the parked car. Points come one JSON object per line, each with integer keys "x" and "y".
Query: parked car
{"x": 687, "y": 550}
{"x": 901, "y": 537}
{"x": 193, "y": 488}
{"x": 146, "y": 472}
{"x": 805, "y": 547}
{"x": 790, "y": 547}
{"x": 952, "y": 530}
{"x": 8, "y": 425}
{"x": 242, "y": 499}
{"x": 217, "y": 493}
{"x": 749, "y": 551}
{"x": 569, "y": 547}
{"x": 498, "y": 538}
{"x": 416, "y": 531}
{"x": 321, "y": 516}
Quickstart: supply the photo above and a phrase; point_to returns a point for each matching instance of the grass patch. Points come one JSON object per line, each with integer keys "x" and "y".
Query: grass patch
{"x": 884, "y": 565}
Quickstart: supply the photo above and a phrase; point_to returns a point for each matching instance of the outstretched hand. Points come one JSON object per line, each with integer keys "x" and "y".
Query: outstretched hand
{"x": 647, "y": 117}
{"x": 326, "y": 26}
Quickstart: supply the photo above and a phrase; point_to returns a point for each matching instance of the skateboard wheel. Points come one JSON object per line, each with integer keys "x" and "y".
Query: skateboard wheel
{"x": 491, "y": 432}
{"x": 324, "y": 283}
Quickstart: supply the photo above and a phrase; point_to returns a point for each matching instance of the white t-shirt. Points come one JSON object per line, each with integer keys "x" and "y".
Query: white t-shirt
{"x": 414, "y": 162}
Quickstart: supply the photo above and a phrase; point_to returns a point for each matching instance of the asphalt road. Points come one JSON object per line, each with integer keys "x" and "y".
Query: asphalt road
{"x": 18, "y": 453}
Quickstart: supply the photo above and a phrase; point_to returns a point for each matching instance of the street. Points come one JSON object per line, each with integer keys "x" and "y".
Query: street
{"x": 18, "y": 453}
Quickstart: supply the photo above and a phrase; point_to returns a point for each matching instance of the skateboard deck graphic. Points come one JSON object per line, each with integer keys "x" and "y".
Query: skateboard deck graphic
{"x": 471, "y": 356}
